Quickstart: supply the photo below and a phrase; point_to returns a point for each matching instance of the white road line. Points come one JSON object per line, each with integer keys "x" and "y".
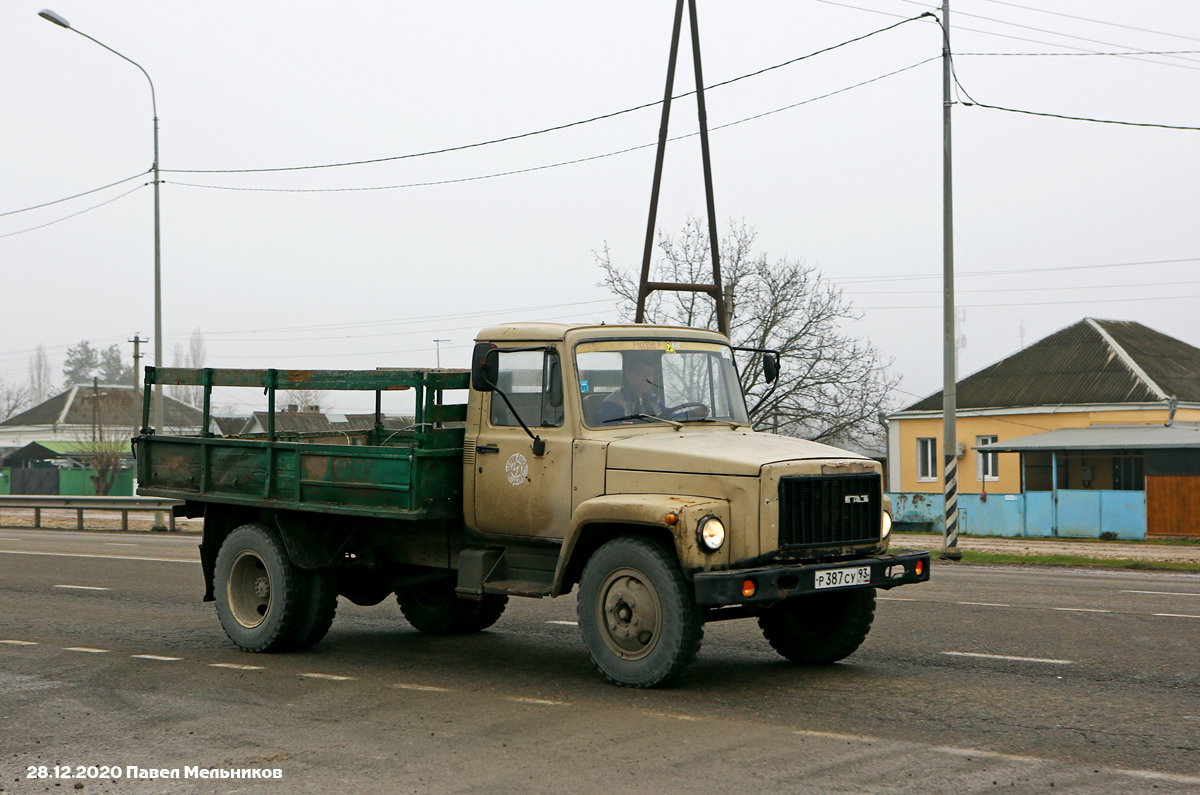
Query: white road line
{"x": 1175, "y": 615}
{"x": 21, "y": 642}
{"x": 672, "y": 716}
{"x": 331, "y": 677}
{"x": 543, "y": 701}
{"x": 1165, "y": 593}
{"x": 84, "y": 587}
{"x": 12, "y": 539}
{"x": 1006, "y": 657}
{"x": 426, "y": 688}
{"x": 982, "y": 604}
{"x": 565, "y": 623}
{"x": 155, "y": 657}
{"x": 236, "y": 667}
{"x": 88, "y": 649}
{"x": 1080, "y": 610}
{"x": 894, "y": 599}
{"x": 102, "y": 557}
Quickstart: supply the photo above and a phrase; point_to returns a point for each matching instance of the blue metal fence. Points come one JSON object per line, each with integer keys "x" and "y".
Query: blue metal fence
{"x": 1075, "y": 513}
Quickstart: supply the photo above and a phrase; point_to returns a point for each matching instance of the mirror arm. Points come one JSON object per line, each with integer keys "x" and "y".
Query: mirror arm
{"x": 764, "y": 399}
{"x": 539, "y": 444}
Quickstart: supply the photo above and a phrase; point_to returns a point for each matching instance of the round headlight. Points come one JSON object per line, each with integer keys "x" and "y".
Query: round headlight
{"x": 711, "y": 533}
{"x": 886, "y": 523}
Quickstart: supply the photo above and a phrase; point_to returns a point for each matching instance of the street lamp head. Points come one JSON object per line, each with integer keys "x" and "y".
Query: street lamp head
{"x": 46, "y": 13}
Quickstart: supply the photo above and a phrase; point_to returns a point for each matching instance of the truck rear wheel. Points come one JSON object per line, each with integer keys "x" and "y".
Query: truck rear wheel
{"x": 636, "y": 613}
{"x": 821, "y": 628}
{"x": 318, "y": 606}
{"x": 435, "y": 609}
{"x": 258, "y": 590}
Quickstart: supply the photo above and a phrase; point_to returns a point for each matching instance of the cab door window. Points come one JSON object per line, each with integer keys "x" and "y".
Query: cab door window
{"x": 533, "y": 382}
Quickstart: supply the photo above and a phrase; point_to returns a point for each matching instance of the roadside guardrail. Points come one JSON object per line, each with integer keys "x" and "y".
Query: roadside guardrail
{"x": 39, "y": 502}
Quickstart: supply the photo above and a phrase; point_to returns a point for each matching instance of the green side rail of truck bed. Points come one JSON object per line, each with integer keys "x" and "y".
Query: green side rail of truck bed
{"x": 414, "y": 473}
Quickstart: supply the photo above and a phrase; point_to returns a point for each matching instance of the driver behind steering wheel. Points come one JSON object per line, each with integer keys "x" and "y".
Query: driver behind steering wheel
{"x": 637, "y": 397}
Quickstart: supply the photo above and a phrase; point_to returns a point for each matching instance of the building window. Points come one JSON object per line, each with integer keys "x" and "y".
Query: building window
{"x": 926, "y": 460}
{"x": 1128, "y": 471}
{"x": 987, "y": 465}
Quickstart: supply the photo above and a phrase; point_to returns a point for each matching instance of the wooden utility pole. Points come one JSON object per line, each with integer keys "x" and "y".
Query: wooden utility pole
{"x": 137, "y": 355}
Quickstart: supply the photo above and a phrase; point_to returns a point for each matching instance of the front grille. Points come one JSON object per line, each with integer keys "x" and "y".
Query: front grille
{"x": 814, "y": 511}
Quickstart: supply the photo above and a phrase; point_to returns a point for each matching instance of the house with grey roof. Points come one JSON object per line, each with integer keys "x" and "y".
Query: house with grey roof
{"x": 1103, "y": 407}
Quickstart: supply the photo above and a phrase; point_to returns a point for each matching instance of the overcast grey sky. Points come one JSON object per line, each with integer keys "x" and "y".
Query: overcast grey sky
{"x": 366, "y": 278}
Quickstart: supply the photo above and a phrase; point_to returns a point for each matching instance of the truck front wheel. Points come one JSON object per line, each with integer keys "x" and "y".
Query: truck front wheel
{"x": 258, "y": 590}
{"x": 435, "y": 609}
{"x": 822, "y": 628}
{"x": 636, "y": 613}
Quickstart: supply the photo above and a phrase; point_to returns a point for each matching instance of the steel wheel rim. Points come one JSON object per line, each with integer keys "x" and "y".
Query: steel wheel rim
{"x": 248, "y": 589}
{"x": 628, "y": 613}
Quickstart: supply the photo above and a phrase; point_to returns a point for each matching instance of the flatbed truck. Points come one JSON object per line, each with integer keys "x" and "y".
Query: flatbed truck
{"x": 617, "y": 461}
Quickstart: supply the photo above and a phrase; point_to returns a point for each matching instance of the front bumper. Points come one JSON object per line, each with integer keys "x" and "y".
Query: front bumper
{"x": 774, "y": 583}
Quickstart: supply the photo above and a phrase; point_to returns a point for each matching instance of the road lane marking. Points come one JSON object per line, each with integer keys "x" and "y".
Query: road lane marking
{"x": 1175, "y": 615}
{"x": 331, "y": 677}
{"x": 81, "y": 555}
{"x": 672, "y": 716}
{"x": 12, "y": 539}
{"x": 236, "y": 666}
{"x": 543, "y": 701}
{"x": 1165, "y": 593}
{"x": 84, "y": 587}
{"x": 982, "y": 604}
{"x": 154, "y": 657}
{"x": 565, "y": 623}
{"x": 21, "y": 642}
{"x": 1080, "y": 610}
{"x": 1007, "y": 657}
{"x": 426, "y": 688}
{"x": 894, "y": 599}
{"x": 88, "y": 649}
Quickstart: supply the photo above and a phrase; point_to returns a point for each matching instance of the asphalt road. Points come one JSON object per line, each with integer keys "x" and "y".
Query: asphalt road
{"x": 986, "y": 678}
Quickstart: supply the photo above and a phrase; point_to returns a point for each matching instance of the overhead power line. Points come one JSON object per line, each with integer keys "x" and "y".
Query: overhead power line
{"x": 555, "y": 128}
{"x": 1080, "y": 118}
{"x": 560, "y": 164}
{"x": 1009, "y": 271}
{"x": 1097, "y": 21}
{"x": 1045, "y": 303}
{"x": 76, "y": 196}
{"x": 72, "y": 215}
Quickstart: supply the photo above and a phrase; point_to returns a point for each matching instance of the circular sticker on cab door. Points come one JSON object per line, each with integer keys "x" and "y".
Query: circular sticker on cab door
{"x": 517, "y": 469}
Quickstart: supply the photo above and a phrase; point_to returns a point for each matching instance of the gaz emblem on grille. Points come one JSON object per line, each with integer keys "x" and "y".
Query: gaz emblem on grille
{"x": 858, "y": 498}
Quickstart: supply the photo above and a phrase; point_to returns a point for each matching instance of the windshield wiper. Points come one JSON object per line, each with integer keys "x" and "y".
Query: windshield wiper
{"x": 731, "y": 423}
{"x": 649, "y": 417}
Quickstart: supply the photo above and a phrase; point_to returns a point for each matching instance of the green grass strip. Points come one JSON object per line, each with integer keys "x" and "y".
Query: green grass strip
{"x": 973, "y": 556}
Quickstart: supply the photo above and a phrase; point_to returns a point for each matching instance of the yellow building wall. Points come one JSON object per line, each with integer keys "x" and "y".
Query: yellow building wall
{"x": 1005, "y": 428}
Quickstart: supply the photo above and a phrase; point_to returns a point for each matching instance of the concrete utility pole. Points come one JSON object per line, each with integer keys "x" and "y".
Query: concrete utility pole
{"x": 438, "y": 343}
{"x": 137, "y": 356}
{"x": 950, "y": 550}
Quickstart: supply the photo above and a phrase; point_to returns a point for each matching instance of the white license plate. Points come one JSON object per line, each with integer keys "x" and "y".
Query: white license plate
{"x": 842, "y": 578}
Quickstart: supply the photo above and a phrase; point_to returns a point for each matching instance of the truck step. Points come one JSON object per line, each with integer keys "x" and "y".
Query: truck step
{"x": 517, "y": 587}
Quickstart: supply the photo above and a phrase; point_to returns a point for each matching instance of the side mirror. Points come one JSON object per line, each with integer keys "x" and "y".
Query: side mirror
{"x": 485, "y": 367}
{"x": 770, "y": 366}
{"x": 554, "y": 390}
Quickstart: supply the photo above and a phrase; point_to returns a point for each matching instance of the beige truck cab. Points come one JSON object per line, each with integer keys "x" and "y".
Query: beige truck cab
{"x": 622, "y": 460}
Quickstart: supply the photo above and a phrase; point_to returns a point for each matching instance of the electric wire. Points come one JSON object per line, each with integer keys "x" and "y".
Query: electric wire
{"x": 76, "y": 196}
{"x": 73, "y": 215}
{"x": 1097, "y": 21}
{"x": 555, "y": 128}
{"x": 1074, "y": 287}
{"x": 1042, "y": 303}
{"x": 1007, "y": 271}
{"x": 1082, "y": 54}
{"x": 544, "y": 167}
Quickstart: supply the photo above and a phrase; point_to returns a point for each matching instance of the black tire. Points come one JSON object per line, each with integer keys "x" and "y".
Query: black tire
{"x": 258, "y": 590}
{"x": 319, "y": 604}
{"x": 435, "y": 609}
{"x": 637, "y": 615}
{"x": 821, "y": 628}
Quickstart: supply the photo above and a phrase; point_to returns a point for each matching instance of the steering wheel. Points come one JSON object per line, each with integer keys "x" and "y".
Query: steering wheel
{"x": 693, "y": 405}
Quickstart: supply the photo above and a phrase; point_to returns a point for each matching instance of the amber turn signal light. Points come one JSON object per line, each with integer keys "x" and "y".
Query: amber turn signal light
{"x": 671, "y": 519}
{"x": 748, "y": 588}
{"x": 920, "y": 567}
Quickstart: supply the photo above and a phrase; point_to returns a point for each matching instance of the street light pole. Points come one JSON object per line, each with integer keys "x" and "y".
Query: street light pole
{"x": 157, "y": 400}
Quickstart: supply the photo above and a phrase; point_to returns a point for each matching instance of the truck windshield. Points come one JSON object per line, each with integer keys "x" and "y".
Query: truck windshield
{"x": 624, "y": 382}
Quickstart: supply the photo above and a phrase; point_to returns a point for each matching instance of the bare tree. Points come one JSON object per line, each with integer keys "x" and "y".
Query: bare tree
{"x": 40, "y": 385}
{"x": 193, "y": 358}
{"x": 105, "y": 446}
{"x": 832, "y": 385}
{"x": 13, "y": 399}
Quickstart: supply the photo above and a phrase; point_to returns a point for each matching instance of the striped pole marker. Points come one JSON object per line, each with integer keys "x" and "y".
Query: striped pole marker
{"x": 950, "y": 550}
